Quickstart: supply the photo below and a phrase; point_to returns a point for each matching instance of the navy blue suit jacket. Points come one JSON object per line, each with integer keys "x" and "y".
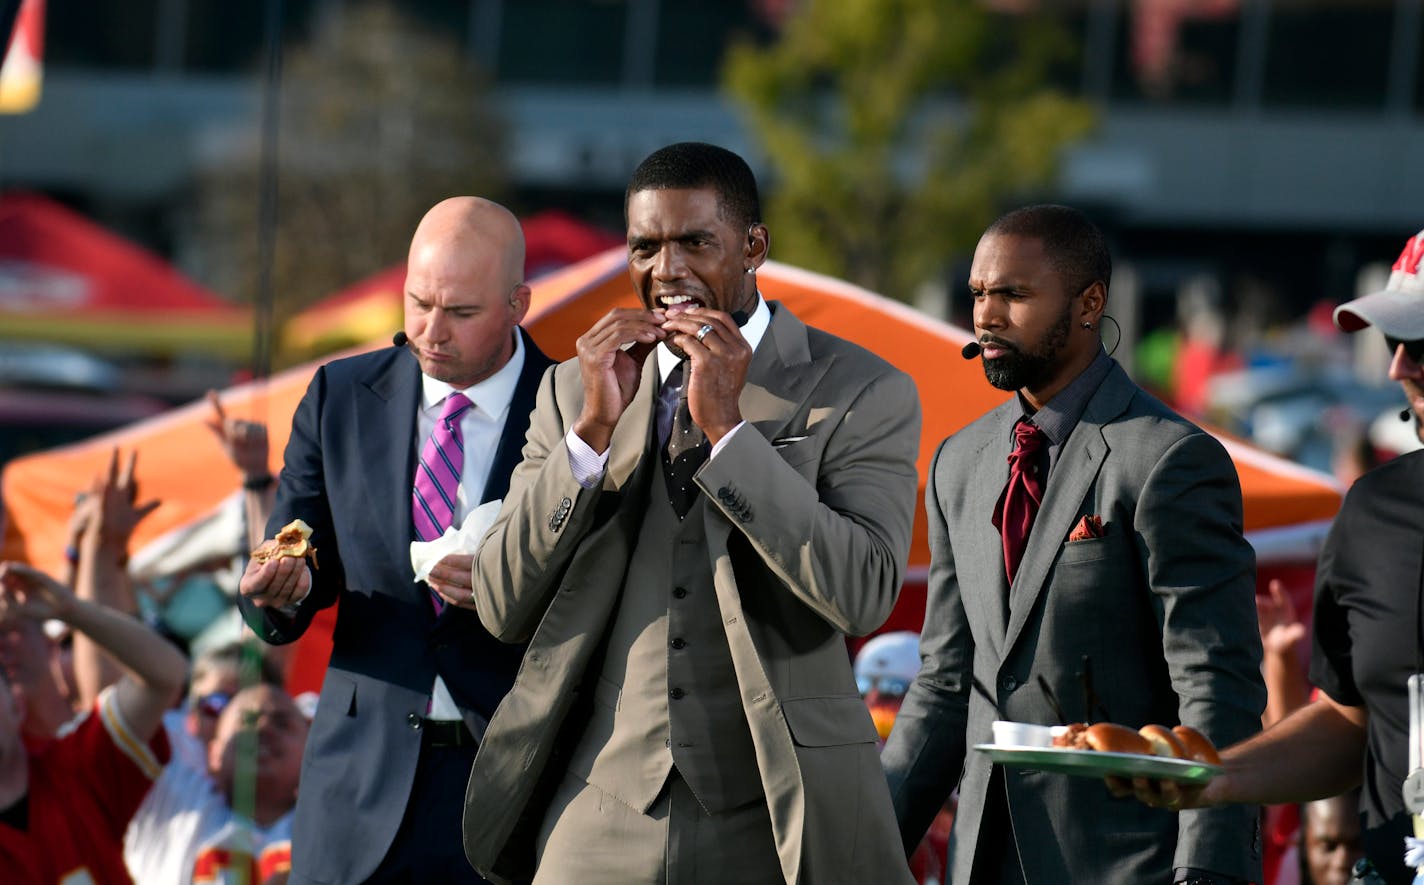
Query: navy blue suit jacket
{"x": 347, "y": 472}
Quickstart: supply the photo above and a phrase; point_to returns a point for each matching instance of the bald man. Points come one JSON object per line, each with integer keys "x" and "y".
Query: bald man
{"x": 388, "y": 448}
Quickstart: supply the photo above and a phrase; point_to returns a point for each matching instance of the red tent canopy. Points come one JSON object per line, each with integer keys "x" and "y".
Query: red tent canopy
{"x": 372, "y": 307}
{"x": 64, "y": 278}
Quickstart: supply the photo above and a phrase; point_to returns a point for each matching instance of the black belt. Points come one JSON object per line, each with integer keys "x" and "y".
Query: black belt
{"x": 445, "y": 733}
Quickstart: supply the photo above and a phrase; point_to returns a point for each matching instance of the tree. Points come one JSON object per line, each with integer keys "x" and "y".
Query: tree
{"x": 896, "y": 129}
{"x": 379, "y": 120}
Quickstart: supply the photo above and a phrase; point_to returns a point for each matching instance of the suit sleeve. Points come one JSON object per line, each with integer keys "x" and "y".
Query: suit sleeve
{"x": 924, "y": 756}
{"x": 841, "y": 544}
{"x": 301, "y": 492}
{"x": 1202, "y": 572}
{"x": 523, "y": 555}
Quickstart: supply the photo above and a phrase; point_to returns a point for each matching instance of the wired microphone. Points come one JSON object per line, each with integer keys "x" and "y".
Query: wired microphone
{"x": 399, "y": 339}
{"x": 971, "y": 350}
{"x": 1404, "y": 414}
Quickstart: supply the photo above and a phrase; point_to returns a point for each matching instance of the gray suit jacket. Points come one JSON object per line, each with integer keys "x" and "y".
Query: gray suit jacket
{"x": 1163, "y": 604}
{"x": 807, "y": 529}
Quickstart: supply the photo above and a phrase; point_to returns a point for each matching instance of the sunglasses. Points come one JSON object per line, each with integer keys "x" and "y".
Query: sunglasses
{"x": 212, "y": 704}
{"x": 888, "y": 685}
{"x": 1415, "y": 348}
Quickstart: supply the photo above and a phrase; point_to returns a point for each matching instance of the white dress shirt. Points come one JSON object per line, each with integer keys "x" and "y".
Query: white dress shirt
{"x": 480, "y": 428}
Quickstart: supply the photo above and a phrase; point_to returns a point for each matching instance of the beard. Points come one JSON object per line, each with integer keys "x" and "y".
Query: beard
{"x": 1019, "y": 369}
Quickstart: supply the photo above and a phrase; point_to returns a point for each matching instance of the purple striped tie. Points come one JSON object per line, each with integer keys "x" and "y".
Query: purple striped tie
{"x": 437, "y": 476}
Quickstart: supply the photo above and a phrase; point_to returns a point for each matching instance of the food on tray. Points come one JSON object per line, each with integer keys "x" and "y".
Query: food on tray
{"x": 1180, "y": 742}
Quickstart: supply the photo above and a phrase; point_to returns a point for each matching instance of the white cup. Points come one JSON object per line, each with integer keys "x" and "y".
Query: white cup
{"x": 1021, "y": 734}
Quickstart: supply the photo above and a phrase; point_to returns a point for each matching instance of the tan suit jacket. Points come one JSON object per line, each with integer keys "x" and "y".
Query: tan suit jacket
{"x": 809, "y": 512}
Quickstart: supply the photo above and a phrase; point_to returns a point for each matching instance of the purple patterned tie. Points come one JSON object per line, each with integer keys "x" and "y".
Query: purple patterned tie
{"x": 437, "y": 476}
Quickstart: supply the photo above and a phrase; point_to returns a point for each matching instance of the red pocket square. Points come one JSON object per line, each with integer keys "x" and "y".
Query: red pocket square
{"x": 1087, "y": 527}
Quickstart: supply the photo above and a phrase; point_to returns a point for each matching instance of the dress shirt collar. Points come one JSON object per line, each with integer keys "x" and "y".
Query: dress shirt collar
{"x": 753, "y": 331}
{"x": 491, "y": 396}
{"x": 1060, "y": 415}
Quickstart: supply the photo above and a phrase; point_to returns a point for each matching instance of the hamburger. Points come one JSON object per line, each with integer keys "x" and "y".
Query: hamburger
{"x": 293, "y": 540}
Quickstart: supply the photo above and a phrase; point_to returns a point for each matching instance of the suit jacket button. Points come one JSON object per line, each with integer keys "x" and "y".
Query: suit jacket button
{"x": 677, "y": 694}
{"x": 679, "y": 592}
{"x": 413, "y": 719}
{"x": 1010, "y": 683}
{"x": 678, "y": 642}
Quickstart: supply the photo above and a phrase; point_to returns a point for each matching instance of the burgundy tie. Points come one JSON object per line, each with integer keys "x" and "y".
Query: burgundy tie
{"x": 1018, "y": 505}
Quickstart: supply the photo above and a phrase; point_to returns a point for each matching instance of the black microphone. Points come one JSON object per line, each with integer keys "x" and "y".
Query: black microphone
{"x": 971, "y": 350}
{"x": 399, "y": 339}
{"x": 1404, "y": 414}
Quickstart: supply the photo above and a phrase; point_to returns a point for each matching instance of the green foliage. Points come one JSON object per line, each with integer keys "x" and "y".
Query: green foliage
{"x": 379, "y": 120}
{"x": 897, "y": 129}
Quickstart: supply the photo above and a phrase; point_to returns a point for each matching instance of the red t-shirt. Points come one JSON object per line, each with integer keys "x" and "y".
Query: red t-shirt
{"x": 84, "y": 787}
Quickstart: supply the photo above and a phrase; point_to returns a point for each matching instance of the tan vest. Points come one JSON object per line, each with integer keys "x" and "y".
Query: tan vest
{"x": 667, "y": 694}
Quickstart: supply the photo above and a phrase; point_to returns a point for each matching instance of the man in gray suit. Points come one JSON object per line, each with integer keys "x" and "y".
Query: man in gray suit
{"x": 1126, "y": 569}
{"x": 686, "y": 710}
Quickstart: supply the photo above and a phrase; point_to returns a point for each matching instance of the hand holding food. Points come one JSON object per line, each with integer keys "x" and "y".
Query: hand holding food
{"x": 293, "y": 540}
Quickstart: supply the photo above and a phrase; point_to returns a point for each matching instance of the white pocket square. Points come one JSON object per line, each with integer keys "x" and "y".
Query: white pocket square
{"x": 787, "y": 440}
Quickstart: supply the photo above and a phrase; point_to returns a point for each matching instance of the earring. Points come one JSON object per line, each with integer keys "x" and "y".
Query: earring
{"x": 1087, "y": 325}
{"x": 749, "y": 270}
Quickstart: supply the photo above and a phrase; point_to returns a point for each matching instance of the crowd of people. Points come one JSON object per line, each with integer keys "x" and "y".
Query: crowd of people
{"x": 594, "y": 616}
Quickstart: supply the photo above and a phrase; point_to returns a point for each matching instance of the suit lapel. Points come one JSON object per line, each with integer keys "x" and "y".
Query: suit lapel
{"x": 988, "y": 476}
{"x": 1077, "y": 469}
{"x": 516, "y": 425}
{"x": 781, "y": 375}
{"x": 630, "y": 438}
{"x": 385, "y": 425}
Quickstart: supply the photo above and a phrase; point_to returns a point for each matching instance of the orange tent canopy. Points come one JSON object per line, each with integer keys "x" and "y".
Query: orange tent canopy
{"x": 180, "y": 463}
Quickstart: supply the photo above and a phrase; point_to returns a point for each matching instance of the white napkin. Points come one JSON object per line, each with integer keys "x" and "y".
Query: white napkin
{"x": 425, "y": 554}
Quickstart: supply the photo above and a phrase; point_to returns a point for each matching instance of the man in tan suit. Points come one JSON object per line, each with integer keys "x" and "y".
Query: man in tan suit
{"x": 685, "y": 544}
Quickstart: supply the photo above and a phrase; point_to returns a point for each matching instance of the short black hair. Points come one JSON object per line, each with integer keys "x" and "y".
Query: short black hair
{"x": 696, "y": 164}
{"x": 1074, "y": 245}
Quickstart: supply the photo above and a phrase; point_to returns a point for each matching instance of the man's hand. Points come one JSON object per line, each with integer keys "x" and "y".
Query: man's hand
{"x": 113, "y": 511}
{"x": 1168, "y": 794}
{"x": 276, "y": 583}
{"x": 1281, "y": 629}
{"x": 28, "y": 593}
{"x": 245, "y": 442}
{"x": 452, "y": 579}
{"x": 610, "y": 373}
{"x": 719, "y": 361}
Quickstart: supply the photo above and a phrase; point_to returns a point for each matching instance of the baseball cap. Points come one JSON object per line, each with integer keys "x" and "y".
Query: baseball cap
{"x": 1398, "y": 309}
{"x": 888, "y": 662}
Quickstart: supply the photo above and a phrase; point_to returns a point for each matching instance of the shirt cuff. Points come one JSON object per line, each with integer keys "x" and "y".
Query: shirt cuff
{"x": 722, "y": 443}
{"x": 290, "y": 610}
{"x": 586, "y": 464}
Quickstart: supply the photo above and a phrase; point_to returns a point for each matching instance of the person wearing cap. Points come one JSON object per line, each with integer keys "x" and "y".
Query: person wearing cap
{"x": 1368, "y": 623}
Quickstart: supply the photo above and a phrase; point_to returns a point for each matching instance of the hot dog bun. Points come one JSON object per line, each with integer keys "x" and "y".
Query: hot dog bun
{"x": 1163, "y": 741}
{"x": 1197, "y": 747}
{"x": 294, "y": 540}
{"x": 1108, "y": 737}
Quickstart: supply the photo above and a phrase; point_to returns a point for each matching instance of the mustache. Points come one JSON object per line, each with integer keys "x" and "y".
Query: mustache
{"x": 987, "y": 340}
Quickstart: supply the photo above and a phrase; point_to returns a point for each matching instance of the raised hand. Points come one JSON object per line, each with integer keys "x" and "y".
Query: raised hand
{"x": 1281, "y": 629}
{"x": 719, "y": 359}
{"x": 610, "y": 372}
{"x": 26, "y": 593}
{"x": 245, "y": 442}
{"x": 113, "y": 511}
